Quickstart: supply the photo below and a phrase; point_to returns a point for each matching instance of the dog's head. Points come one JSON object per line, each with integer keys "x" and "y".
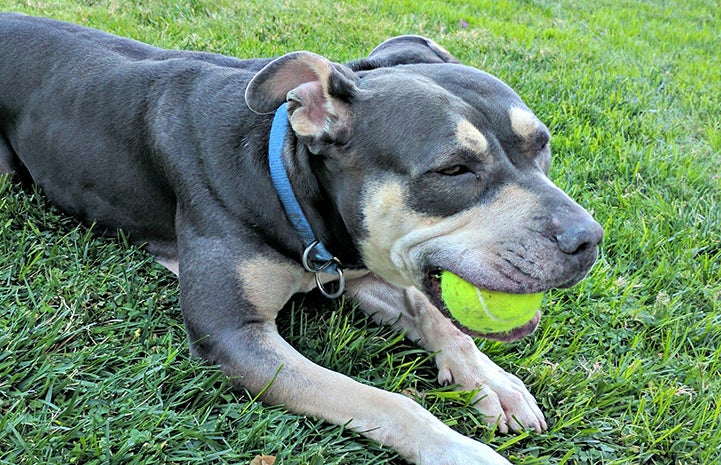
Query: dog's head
{"x": 433, "y": 167}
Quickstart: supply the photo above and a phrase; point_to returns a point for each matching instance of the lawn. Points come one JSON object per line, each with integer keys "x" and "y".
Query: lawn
{"x": 95, "y": 367}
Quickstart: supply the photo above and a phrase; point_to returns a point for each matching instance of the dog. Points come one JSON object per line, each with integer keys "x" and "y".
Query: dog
{"x": 253, "y": 180}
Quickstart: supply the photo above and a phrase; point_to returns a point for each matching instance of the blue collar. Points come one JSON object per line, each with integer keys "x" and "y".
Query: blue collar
{"x": 316, "y": 258}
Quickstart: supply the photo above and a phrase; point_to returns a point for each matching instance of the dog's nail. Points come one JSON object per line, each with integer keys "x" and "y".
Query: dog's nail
{"x": 445, "y": 377}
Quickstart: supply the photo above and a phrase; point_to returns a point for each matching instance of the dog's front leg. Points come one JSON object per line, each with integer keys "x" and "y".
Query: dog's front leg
{"x": 230, "y": 317}
{"x": 258, "y": 358}
{"x": 502, "y": 398}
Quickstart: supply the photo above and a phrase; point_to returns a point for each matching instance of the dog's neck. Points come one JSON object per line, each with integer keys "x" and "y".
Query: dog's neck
{"x": 316, "y": 257}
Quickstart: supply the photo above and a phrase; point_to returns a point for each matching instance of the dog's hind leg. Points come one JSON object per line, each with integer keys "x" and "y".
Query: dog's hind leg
{"x": 502, "y": 398}
{"x": 8, "y": 160}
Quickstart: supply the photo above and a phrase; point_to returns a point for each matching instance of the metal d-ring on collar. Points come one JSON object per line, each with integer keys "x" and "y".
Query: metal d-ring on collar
{"x": 332, "y": 264}
{"x": 316, "y": 258}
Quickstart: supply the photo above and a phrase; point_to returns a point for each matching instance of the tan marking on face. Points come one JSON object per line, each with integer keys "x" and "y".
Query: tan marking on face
{"x": 524, "y": 123}
{"x": 399, "y": 238}
{"x": 389, "y": 220}
{"x": 474, "y": 240}
{"x": 470, "y": 230}
{"x": 470, "y": 137}
{"x": 268, "y": 284}
{"x": 512, "y": 207}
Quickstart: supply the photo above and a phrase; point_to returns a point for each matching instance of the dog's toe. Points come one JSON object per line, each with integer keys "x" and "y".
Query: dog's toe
{"x": 502, "y": 399}
{"x": 519, "y": 410}
{"x": 445, "y": 377}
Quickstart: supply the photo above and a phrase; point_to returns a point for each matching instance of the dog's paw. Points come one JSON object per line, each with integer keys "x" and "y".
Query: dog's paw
{"x": 502, "y": 398}
{"x": 460, "y": 450}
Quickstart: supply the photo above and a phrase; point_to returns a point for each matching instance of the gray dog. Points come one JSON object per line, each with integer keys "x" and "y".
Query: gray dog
{"x": 371, "y": 178}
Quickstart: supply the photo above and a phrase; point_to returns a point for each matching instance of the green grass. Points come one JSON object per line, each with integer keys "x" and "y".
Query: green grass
{"x": 94, "y": 365}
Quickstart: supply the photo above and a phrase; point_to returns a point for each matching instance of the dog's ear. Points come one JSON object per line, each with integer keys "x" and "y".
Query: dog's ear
{"x": 404, "y": 50}
{"x": 318, "y": 93}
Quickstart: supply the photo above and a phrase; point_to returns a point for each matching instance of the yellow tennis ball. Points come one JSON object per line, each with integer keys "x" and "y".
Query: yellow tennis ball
{"x": 486, "y": 311}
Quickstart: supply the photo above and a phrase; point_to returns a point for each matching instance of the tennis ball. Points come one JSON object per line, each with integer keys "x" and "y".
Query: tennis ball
{"x": 484, "y": 311}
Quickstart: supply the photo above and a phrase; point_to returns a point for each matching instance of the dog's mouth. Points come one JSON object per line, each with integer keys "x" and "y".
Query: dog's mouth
{"x": 432, "y": 287}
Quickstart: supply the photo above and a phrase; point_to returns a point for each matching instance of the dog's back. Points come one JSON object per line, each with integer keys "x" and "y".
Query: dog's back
{"x": 77, "y": 97}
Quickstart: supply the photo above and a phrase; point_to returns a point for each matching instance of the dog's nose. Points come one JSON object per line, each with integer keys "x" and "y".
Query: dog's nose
{"x": 579, "y": 236}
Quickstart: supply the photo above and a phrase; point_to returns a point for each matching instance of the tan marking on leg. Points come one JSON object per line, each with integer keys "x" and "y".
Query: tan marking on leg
{"x": 268, "y": 284}
{"x": 392, "y": 419}
{"x": 470, "y": 137}
{"x": 502, "y": 399}
{"x": 169, "y": 263}
{"x": 524, "y": 123}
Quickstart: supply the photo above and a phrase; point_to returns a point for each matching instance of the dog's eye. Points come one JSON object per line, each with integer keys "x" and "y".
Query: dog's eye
{"x": 454, "y": 170}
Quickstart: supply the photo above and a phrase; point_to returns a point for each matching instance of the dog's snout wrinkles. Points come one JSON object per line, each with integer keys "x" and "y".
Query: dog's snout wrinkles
{"x": 579, "y": 236}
